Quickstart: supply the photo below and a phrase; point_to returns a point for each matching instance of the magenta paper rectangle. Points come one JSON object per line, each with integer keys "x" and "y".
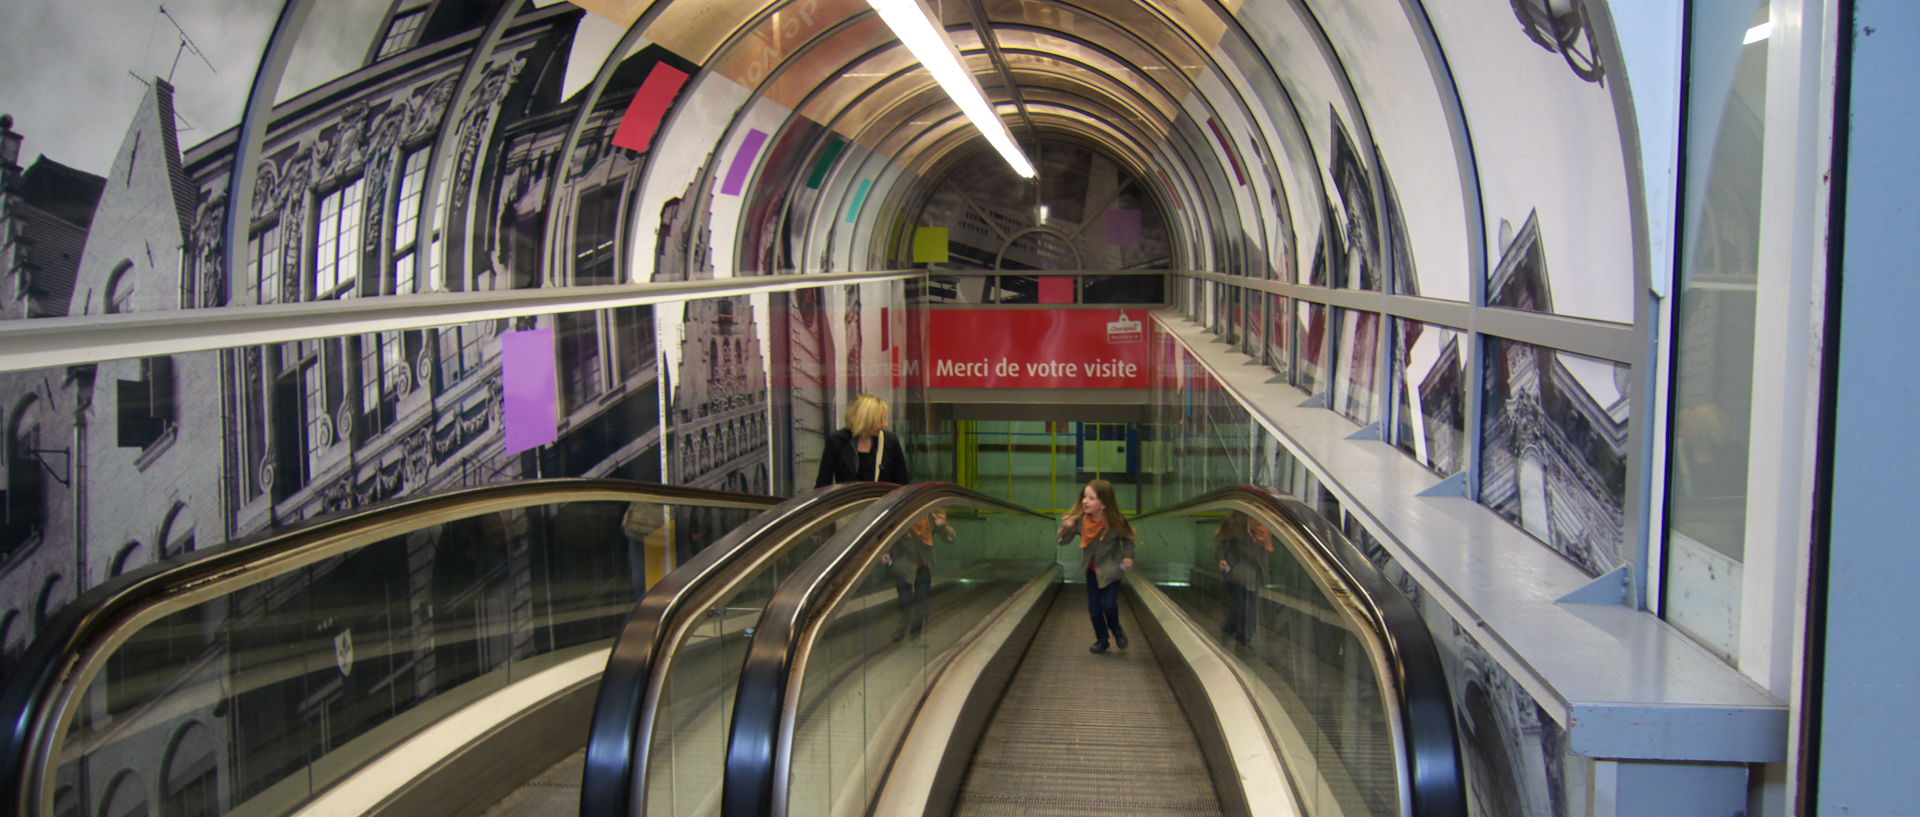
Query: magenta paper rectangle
{"x": 1123, "y": 227}
{"x": 530, "y": 390}
{"x": 743, "y": 162}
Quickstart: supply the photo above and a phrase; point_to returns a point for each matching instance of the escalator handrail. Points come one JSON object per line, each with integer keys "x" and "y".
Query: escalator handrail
{"x": 1433, "y": 779}
{"x": 37, "y": 702}
{"x": 620, "y": 737}
{"x": 759, "y": 741}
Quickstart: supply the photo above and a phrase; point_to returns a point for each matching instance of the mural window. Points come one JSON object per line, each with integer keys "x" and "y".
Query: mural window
{"x": 633, "y": 344}
{"x": 406, "y": 220}
{"x": 383, "y": 375}
{"x": 26, "y": 476}
{"x": 145, "y": 407}
{"x": 7, "y": 649}
{"x": 336, "y": 262}
{"x": 266, "y": 265}
{"x": 316, "y": 426}
{"x": 191, "y": 787}
{"x": 1430, "y": 362}
{"x": 120, "y": 288}
{"x": 435, "y": 251}
{"x": 459, "y": 352}
{"x": 594, "y": 233}
{"x": 126, "y": 796}
{"x": 297, "y": 388}
{"x": 579, "y": 338}
{"x": 401, "y": 32}
{"x": 251, "y": 414}
{"x": 130, "y": 556}
{"x": 52, "y": 596}
{"x": 176, "y": 533}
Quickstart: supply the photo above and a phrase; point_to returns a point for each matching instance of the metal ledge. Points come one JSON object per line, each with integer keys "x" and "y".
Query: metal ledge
{"x": 1623, "y": 683}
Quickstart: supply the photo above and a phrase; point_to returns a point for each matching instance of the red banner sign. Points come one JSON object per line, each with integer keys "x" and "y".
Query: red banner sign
{"x": 1037, "y": 349}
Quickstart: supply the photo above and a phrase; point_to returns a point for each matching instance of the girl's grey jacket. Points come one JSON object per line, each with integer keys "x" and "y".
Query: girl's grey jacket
{"x": 1107, "y": 550}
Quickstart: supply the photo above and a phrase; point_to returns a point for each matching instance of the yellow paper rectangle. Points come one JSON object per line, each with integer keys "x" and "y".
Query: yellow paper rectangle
{"x": 930, "y": 245}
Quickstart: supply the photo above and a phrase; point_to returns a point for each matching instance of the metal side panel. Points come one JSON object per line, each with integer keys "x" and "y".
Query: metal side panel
{"x": 1240, "y": 753}
{"x": 926, "y": 772}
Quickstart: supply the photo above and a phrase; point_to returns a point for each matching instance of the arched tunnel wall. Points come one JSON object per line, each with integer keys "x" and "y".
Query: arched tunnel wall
{"x": 1449, "y": 223}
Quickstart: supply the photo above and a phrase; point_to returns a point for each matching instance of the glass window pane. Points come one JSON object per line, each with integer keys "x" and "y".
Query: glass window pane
{"x": 1554, "y": 456}
{"x": 1312, "y": 365}
{"x": 1356, "y": 390}
{"x": 1714, "y": 324}
{"x": 1430, "y": 362}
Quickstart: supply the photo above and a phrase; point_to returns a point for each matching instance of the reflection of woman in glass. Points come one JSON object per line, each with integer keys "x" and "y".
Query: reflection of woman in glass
{"x": 910, "y": 562}
{"x": 1106, "y": 548}
{"x": 1242, "y": 545}
{"x": 863, "y": 451}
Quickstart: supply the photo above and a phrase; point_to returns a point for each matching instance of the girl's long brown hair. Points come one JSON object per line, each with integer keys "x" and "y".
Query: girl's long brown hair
{"x": 1103, "y": 491}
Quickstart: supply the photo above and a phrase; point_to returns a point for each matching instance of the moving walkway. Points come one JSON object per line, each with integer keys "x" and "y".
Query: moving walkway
{"x": 1328, "y": 699}
{"x": 462, "y": 644}
{"x": 419, "y": 657}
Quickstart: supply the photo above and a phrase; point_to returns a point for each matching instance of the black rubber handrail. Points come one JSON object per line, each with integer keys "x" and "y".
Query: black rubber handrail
{"x": 620, "y": 739}
{"x": 761, "y": 732}
{"x": 1435, "y": 779}
{"x": 62, "y": 659}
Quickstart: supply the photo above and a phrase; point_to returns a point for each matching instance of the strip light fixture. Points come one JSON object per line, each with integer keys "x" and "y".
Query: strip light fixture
{"x": 914, "y": 26}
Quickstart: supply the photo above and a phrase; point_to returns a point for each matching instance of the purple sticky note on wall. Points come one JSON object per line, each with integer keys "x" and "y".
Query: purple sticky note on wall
{"x": 1123, "y": 227}
{"x": 743, "y": 162}
{"x": 529, "y": 388}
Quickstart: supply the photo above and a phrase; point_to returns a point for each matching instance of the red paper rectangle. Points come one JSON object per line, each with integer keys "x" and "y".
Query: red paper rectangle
{"x": 1036, "y": 349}
{"x": 649, "y": 107}
{"x": 1057, "y": 289}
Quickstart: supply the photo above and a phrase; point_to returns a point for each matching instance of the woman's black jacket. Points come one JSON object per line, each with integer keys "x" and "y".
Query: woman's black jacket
{"x": 840, "y": 462}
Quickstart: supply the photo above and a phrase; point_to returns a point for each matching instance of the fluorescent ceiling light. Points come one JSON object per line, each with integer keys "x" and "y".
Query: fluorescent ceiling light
{"x": 1758, "y": 33}
{"x": 929, "y": 44}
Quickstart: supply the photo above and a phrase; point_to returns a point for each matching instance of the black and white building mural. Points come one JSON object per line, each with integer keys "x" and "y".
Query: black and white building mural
{"x": 114, "y": 465}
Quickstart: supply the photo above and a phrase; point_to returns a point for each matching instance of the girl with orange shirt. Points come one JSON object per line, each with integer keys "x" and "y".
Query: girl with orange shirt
{"x": 1106, "y": 548}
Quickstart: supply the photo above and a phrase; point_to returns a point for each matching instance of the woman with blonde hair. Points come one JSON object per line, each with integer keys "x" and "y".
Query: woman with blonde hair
{"x": 863, "y": 451}
{"x": 1106, "y": 548}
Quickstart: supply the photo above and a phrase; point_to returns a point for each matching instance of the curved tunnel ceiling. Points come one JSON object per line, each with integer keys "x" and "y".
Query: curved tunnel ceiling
{"x": 1474, "y": 152}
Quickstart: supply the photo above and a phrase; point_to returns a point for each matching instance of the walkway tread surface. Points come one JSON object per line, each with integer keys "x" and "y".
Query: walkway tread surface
{"x": 555, "y": 793}
{"x": 1085, "y": 734}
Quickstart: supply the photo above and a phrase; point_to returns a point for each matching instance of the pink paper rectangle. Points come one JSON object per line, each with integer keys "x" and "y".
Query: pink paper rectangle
{"x": 743, "y": 162}
{"x": 529, "y": 389}
{"x": 1057, "y": 289}
{"x": 649, "y": 107}
{"x": 1123, "y": 227}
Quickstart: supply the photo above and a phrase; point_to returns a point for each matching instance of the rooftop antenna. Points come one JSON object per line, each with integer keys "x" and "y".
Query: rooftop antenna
{"x": 186, "y": 44}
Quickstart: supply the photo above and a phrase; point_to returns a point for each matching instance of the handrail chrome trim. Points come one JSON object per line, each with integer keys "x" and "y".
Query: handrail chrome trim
{"x": 38, "y": 703}
{"x": 1404, "y": 656}
{"x": 81, "y": 339}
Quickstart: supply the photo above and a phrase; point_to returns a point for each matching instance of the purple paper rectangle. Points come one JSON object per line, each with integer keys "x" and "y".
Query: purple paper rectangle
{"x": 1123, "y": 227}
{"x": 529, "y": 389}
{"x": 743, "y": 162}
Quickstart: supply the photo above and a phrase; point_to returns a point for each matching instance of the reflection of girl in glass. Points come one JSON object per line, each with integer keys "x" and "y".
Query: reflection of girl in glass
{"x": 910, "y": 562}
{"x": 1242, "y": 545}
{"x": 1106, "y": 548}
